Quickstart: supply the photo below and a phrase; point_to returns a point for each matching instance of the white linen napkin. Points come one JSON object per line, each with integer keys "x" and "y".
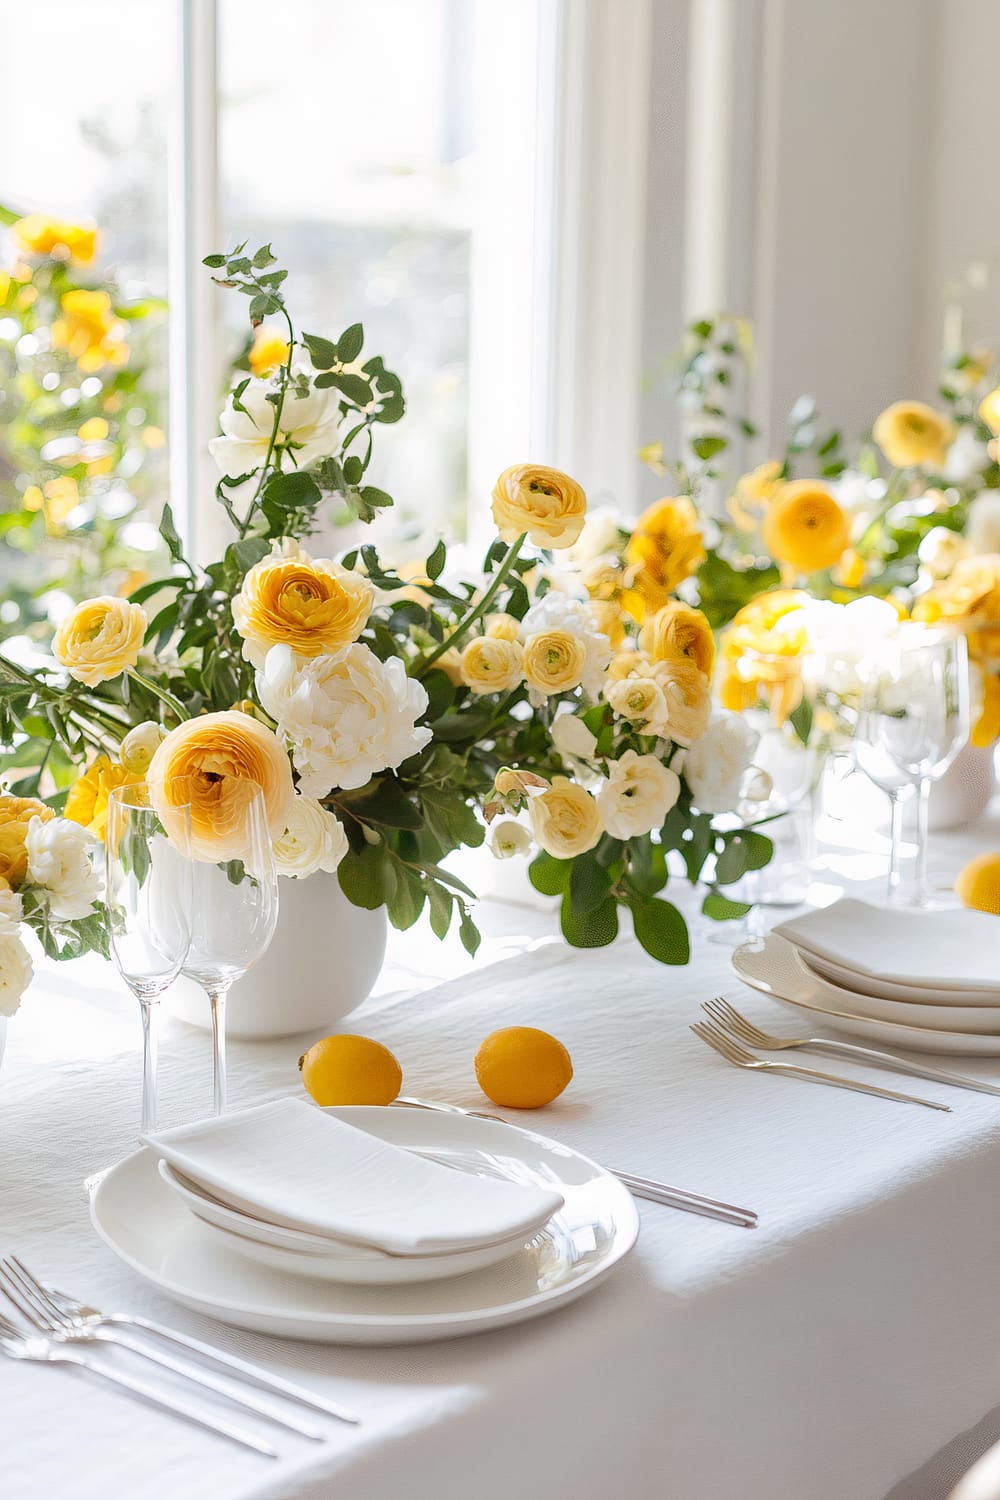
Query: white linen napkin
{"x": 291, "y": 1164}
{"x": 957, "y": 950}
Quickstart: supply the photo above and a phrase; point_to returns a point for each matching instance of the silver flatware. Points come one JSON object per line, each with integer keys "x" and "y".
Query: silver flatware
{"x": 733, "y": 1052}
{"x": 728, "y": 1016}
{"x": 92, "y": 1317}
{"x": 639, "y": 1187}
{"x": 17, "y": 1343}
{"x": 36, "y": 1305}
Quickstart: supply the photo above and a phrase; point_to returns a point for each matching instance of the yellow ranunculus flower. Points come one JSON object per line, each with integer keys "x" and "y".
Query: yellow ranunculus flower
{"x": 986, "y": 730}
{"x": 491, "y": 664}
{"x": 101, "y": 639}
{"x": 989, "y": 411}
{"x": 87, "y": 802}
{"x": 41, "y": 235}
{"x": 805, "y": 527}
{"x": 640, "y": 700}
{"x": 608, "y": 619}
{"x": 911, "y": 434}
{"x": 220, "y": 754}
{"x": 773, "y": 681}
{"x": 735, "y": 692}
{"x": 754, "y": 491}
{"x": 677, "y": 628}
{"x": 15, "y": 815}
{"x": 269, "y": 350}
{"x": 628, "y": 664}
{"x": 564, "y": 819}
{"x": 313, "y": 605}
{"x": 501, "y": 627}
{"x": 688, "y": 697}
{"x": 970, "y": 598}
{"x": 665, "y": 548}
{"x": 850, "y": 571}
{"x": 752, "y": 628}
{"x": 553, "y": 661}
{"x": 451, "y": 665}
{"x": 545, "y": 503}
{"x": 62, "y": 496}
{"x": 88, "y": 330}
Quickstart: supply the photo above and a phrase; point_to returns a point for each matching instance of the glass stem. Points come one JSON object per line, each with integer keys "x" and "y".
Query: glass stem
{"x": 149, "y": 1100}
{"x": 895, "y": 843}
{"x": 217, "y": 997}
{"x": 921, "y": 895}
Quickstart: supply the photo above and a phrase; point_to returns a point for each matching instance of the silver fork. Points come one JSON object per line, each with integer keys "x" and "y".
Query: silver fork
{"x": 34, "y": 1303}
{"x": 84, "y": 1317}
{"x": 728, "y": 1016}
{"x": 731, "y": 1050}
{"x": 639, "y": 1187}
{"x": 17, "y": 1343}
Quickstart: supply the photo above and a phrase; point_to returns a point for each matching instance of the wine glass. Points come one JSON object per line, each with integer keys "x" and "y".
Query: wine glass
{"x": 149, "y": 907}
{"x": 912, "y": 722}
{"x": 235, "y": 913}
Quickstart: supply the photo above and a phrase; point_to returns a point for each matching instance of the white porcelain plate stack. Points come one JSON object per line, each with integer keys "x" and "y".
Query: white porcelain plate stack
{"x": 928, "y": 981}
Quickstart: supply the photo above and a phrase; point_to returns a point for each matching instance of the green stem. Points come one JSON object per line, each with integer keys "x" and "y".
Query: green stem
{"x": 279, "y": 407}
{"x": 477, "y": 611}
{"x": 172, "y": 703}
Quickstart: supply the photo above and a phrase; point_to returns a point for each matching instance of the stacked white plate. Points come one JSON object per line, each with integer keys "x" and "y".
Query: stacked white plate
{"x": 924, "y": 980}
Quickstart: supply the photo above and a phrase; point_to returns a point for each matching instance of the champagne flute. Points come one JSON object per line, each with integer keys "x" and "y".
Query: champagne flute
{"x": 235, "y": 914}
{"x": 149, "y": 907}
{"x": 913, "y": 720}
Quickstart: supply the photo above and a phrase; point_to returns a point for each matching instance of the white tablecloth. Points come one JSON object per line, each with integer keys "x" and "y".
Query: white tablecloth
{"x": 824, "y": 1356}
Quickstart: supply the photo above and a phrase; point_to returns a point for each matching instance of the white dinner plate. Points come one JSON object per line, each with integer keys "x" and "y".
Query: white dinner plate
{"x": 148, "y": 1227}
{"x": 306, "y": 1254}
{"x": 908, "y": 994}
{"x": 773, "y": 966}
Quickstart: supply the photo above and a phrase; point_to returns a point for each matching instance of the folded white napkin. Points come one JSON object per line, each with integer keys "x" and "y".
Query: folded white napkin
{"x": 293, "y": 1165}
{"x": 957, "y": 950}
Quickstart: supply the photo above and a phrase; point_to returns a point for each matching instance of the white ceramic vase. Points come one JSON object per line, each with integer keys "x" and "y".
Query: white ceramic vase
{"x": 322, "y": 962}
{"x": 964, "y": 790}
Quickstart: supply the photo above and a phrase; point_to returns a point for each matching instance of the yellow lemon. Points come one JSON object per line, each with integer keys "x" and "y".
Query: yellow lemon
{"x": 521, "y": 1067}
{"x": 978, "y": 885}
{"x": 350, "y": 1070}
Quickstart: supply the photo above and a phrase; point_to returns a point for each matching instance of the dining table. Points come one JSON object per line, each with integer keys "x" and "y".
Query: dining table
{"x": 847, "y": 1348}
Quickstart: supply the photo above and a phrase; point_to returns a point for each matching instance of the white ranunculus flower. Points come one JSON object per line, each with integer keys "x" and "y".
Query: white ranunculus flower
{"x": 966, "y": 457}
{"x": 716, "y": 764}
{"x": 16, "y": 969}
{"x": 638, "y": 794}
{"x": 508, "y": 837}
{"x": 314, "y": 840}
{"x": 59, "y": 862}
{"x": 557, "y": 611}
{"x": 346, "y": 716}
{"x": 600, "y": 535}
{"x": 982, "y": 527}
{"x": 308, "y": 425}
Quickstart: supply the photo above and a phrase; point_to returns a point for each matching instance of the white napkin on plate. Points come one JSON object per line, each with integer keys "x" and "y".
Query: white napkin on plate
{"x": 957, "y": 950}
{"x": 290, "y": 1164}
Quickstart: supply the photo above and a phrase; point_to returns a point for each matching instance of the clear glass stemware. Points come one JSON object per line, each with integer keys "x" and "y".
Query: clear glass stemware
{"x": 149, "y": 907}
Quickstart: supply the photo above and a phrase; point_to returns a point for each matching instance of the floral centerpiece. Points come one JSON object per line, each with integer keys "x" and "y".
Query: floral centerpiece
{"x": 392, "y": 720}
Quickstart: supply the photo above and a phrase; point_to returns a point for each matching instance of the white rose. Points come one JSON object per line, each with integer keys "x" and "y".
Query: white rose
{"x": 716, "y": 764}
{"x": 556, "y": 611}
{"x": 15, "y": 968}
{"x": 638, "y": 794}
{"x": 10, "y": 907}
{"x": 983, "y": 525}
{"x": 308, "y": 426}
{"x": 59, "y": 862}
{"x": 346, "y": 716}
{"x": 967, "y": 457}
{"x": 508, "y": 837}
{"x": 314, "y": 840}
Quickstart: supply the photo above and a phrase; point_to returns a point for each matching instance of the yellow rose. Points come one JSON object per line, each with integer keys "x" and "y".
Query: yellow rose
{"x": 545, "y": 503}
{"x": 665, "y": 548}
{"x": 491, "y": 665}
{"x": 989, "y": 411}
{"x": 101, "y": 639}
{"x": 677, "y": 629}
{"x": 910, "y": 433}
{"x": 805, "y": 527}
{"x": 220, "y": 754}
{"x": 503, "y": 627}
{"x": 87, "y": 802}
{"x": 88, "y": 330}
{"x": 553, "y": 661}
{"x": 688, "y": 697}
{"x": 565, "y": 819}
{"x": 313, "y": 605}
{"x": 15, "y": 815}
{"x": 41, "y": 235}
{"x": 269, "y": 350}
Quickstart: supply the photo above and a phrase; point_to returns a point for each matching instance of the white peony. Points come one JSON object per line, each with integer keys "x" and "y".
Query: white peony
{"x": 508, "y": 837}
{"x": 15, "y": 968}
{"x": 638, "y": 794}
{"x": 59, "y": 862}
{"x": 556, "y": 611}
{"x": 308, "y": 428}
{"x": 716, "y": 764}
{"x": 982, "y": 527}
{"x": 314, "y": 840}
{"x": 346, "y": 716}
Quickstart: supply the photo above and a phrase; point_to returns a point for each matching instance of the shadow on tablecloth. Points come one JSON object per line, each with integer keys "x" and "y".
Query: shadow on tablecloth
{"x": 936, "y": 1479}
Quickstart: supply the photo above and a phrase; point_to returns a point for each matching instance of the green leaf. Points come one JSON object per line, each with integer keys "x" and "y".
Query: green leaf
{"x": 469, "y": 934}
{"x": 550, "y": 876}
{"x": 322, "y": 352}
{"x": 661, "y": 930}
{"x": 353, "y": 469}
{"x": 745, "y": 850}
{"x": 354, "y": 387}
{"x": 589, "y": 884}
{"x": 708, "y": 447}
{"x": 263, "y": 258}
{"x": 722, "y": 909}
{"x": 215, "y": 261}
{"x": 405, "y": 901}
{"x": 170, "y": 534}
{"x": 382, "y": 800}
{"x": 441, "y": 905}
{"x": 801, "y": 720}
{"x": 363, "y": 876}
{"x": 437, "y": 560}
{"x": 647, "y": 866}
{"x": 349, "y": 344}
{"x": 594, "y": 929}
